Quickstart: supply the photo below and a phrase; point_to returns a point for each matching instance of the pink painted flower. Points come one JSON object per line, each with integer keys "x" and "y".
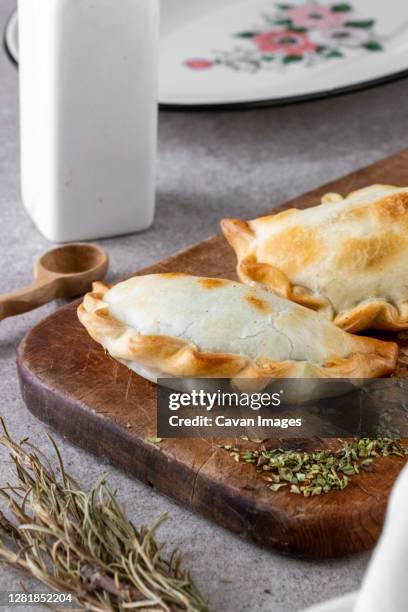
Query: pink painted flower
{"x": 199, "y": 63}
{"x": 315, "y": 16}
{"x": 341, "y": 37}
{"x": 284, "y": 41}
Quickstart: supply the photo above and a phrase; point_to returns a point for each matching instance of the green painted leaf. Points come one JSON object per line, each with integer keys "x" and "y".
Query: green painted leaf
{"x": 368, "y": 23}
{"x": 268, "y": 58}
{"x": 342, "y": 8}
{"x": 284, "y": 7}
{"x": 373, "y": 45}
{"x": 289, "y": 59}
{"x": 293, "y": 28}
{"x": 333, "y": 54}
{"x": 287, "y": 23}
{"x": 245, "y": 34}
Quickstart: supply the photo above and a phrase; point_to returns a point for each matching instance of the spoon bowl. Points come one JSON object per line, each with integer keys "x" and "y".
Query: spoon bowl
{"x": 73, "y": 259}
{"x": 64, "y": 272}
{"x": 76, "y": 266}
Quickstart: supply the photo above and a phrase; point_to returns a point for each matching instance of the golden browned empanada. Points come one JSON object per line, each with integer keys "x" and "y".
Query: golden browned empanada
{"x": 175, "y": 325}
{"x": 346, "y": 257}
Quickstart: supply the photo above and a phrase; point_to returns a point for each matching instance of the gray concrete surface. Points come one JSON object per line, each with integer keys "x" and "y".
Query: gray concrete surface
{"x": 210, "y": 165}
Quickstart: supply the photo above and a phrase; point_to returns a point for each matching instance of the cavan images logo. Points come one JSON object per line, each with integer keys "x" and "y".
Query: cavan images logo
{"x": 292, "y": 34}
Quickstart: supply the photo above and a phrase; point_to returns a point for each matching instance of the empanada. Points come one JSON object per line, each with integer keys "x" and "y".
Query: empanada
{"x": 346, "y": 257}
{"x": 175, "y": 325}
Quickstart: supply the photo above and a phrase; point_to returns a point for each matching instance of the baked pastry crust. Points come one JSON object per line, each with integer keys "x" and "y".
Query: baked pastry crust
{"x": 175, "y": 325}
{"x": 347, "y": 257}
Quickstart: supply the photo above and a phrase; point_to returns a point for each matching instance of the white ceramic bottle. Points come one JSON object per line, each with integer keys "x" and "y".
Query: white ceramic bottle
{"x": 88, "y": 107}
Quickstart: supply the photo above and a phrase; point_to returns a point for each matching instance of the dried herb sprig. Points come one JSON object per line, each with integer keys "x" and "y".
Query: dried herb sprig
{"x": 82, "y": 542}
{"x": 315, "y": 473}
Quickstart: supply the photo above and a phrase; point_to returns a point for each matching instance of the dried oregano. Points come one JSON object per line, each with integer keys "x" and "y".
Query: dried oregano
{"x": 81, "y": 542}
{"x": 315, "y": 473}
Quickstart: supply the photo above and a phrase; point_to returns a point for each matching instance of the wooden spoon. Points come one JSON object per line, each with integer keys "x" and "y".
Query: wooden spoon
{"x": 61, "y": 273}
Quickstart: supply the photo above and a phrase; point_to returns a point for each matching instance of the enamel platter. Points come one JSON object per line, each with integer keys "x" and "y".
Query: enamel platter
{"x": 226, "y": 53}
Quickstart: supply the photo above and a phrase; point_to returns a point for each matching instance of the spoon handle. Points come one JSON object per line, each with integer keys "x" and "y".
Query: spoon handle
{"x": 26, "y": 299}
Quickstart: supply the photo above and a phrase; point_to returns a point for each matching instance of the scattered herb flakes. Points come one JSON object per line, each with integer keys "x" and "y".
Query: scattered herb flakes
{"x": 315, "y": 473}
{"x": 154, "y": 440}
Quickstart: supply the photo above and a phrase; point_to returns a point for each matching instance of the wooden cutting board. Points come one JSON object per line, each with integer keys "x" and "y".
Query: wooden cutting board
{"x": 71, "y": 384}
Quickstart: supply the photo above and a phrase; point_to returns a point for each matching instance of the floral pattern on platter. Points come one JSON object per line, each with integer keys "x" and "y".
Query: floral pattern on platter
{"x": 309, "y": 33}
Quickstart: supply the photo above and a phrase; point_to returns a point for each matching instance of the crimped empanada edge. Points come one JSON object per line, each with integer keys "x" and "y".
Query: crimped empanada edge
{"x": 177, "y": 358}
{"x": 376, "y": 314}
